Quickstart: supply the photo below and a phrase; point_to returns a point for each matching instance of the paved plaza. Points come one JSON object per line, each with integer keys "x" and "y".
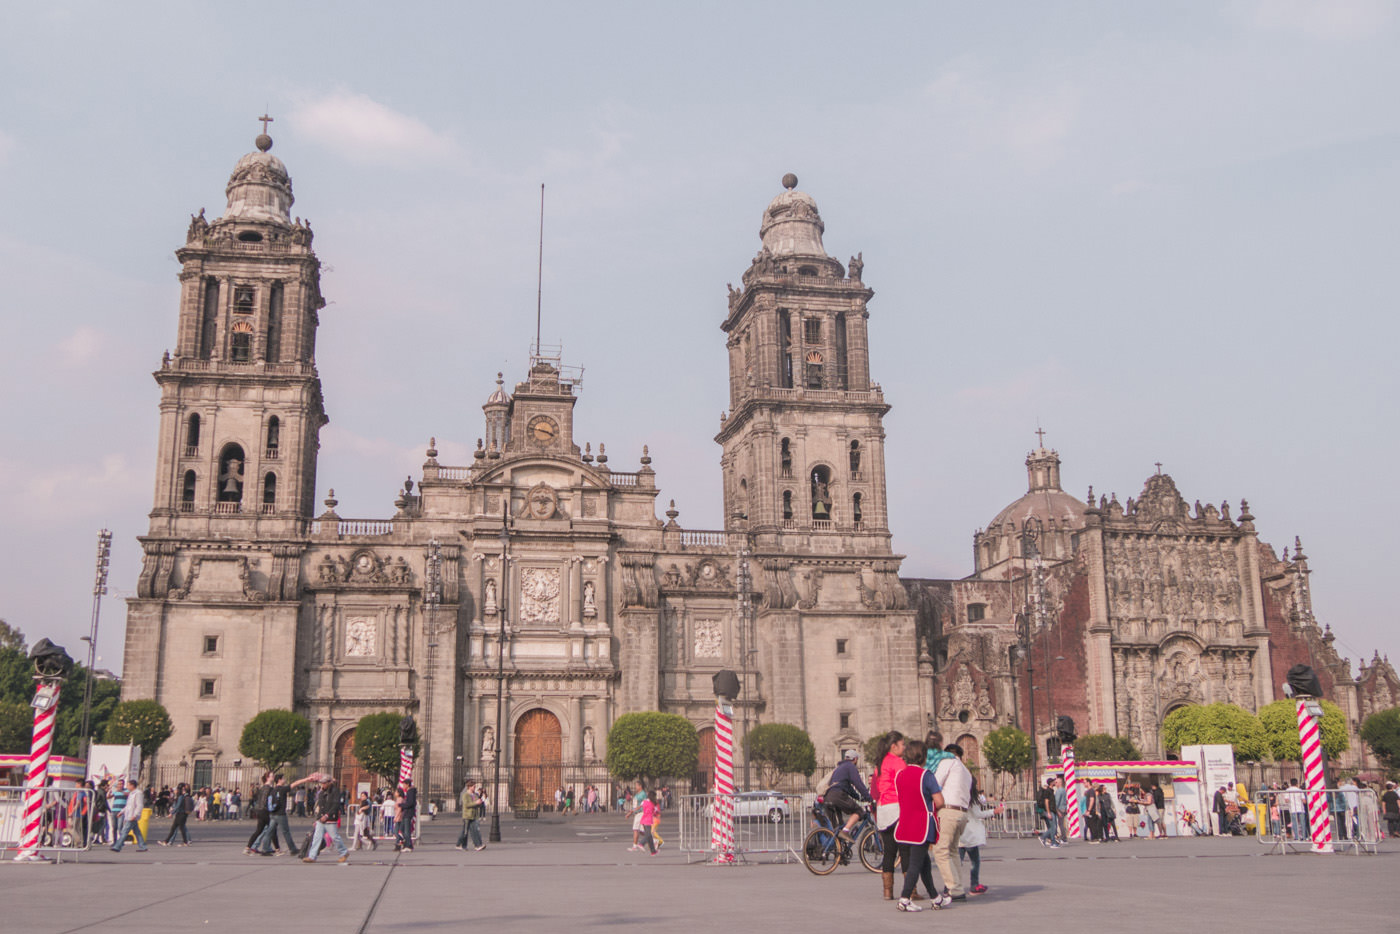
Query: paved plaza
{"x": 577, "y": 874}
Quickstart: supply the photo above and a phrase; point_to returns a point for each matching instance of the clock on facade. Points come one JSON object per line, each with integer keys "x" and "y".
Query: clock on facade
{"x": 542, "y": 430}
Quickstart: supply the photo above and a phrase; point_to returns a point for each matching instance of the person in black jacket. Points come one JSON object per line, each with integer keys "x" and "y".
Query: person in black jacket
{"x": 181, "y": 808}
{"x": 328, "y": 811}
{"x": 278, "y": 803}
{"x": 257, "y": 809}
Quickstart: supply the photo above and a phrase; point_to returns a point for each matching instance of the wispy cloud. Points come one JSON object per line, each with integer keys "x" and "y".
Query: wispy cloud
{"x": 81, "y": 347}
{"x": 367, "y": 131}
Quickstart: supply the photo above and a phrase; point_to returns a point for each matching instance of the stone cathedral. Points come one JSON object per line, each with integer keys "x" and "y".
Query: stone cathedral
{"x": 537, "y": 588}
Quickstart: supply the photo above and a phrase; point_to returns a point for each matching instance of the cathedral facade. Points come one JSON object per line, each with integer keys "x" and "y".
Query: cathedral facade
{"x": 519, "y": 604}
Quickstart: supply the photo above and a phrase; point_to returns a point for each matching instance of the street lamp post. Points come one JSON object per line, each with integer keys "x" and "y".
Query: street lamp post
{"x": 495, "y": 833}
{"x": 1031, "y": 619}
{"x": 432, "y": 596}
{"x": 745, "y": 586}
{"x": 99, "y": 589}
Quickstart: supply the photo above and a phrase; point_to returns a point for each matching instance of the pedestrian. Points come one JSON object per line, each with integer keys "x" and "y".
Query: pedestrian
{"x": 1045, "y": 810}
{"x": 407, "y": 807}
{"x": 955, "y": 782}
{"x": 1061, "y": 811}
{"x": 328, "y": 812}
{"x": 1093, "y": 822}
{"x": 920, "y": 799}
{"x": 1390, "y": 801}
{"x": 131, "y": 819}
{"x": 649, "y": 812}
{"x": 1108, "y": 815}
{"x": 389, "y": 812}
{"x": 257, "y": 809}
{"x": 634, "y": 804}
{"x": 182, "y": 807}
{"x": 974, "y": 836}
{"x": 278, "y": 803}
{"x": 889, "y": 759}
{"x": 471, "y": 804}
{"x": 363, "y": 834}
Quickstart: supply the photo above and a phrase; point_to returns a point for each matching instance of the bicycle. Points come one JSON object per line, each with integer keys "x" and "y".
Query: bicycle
{"x": 824, "y": 849}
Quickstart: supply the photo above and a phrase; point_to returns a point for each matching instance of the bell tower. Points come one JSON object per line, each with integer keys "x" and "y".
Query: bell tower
{"x": 241, "y": 406}
{"x": 803, "y": 439}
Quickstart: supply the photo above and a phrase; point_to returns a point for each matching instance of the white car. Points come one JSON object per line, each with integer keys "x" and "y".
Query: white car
{"x": 772, "y": 806}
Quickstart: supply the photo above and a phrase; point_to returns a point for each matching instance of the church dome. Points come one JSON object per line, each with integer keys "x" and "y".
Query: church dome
{"x": 499, "y": 396}
{"x": 792, "y": 225}
{"x": 260, "y": 189}
{"x": 1044, "y": 499}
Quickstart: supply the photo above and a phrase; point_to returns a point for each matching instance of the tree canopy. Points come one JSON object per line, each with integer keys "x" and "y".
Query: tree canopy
{"x": 274, "y": 738}
{"x": 1101, "y": 747}
{"x": 1216, "y": 724}
{"x": 1280, "y": 725}
{"x": 143, "y": 723}
{"x": 1381, "y": 731}
{"x": 781, "y": 749}
{"x": 651, "y": 746}
{"x": 377, "y": 743}
{"x": 1008, "y": 751}
{"x": 17, "y": 687}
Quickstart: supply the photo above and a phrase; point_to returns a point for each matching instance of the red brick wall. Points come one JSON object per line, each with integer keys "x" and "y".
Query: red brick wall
{"x": 1068, "y": 676}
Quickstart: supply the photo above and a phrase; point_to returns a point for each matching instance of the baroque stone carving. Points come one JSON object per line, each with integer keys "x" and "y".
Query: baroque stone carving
{"x": 709, "y": 639}
{"x": 360, "y": 633}
{"x": 539, "y": 596}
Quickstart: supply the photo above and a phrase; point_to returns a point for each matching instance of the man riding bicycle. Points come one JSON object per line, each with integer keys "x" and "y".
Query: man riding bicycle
{"x": 847, "y": 793}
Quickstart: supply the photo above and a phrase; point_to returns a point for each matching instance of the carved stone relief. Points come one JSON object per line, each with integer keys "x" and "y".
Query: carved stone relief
{"x": 709, "y": 639}
{"x": 360, "y": 633}
{"x": 539, "y": 596}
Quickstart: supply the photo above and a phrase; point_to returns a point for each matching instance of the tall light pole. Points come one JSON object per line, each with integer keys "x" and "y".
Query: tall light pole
{"x": 432, "y": 597}
{"x": 495, "y": 834}
{"x": 1032, "y": 617}
{"x": 745, "y": 583}
{"x": 99, "y": 589}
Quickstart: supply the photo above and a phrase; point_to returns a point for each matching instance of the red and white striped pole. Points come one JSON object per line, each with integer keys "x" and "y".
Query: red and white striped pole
{"x": 405, "y": 765}
{"x": 1310, "y": 739}
{"x": 40, "y": 747}
{"x": 722, "y": 824}
{"x": 1071, "y": 792}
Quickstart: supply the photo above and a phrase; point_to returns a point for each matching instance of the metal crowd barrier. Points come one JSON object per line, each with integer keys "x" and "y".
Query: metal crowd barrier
{"x": 64, "y": 826}
{"x": 1017, "y": 819}
{"x": 1353, "y": 815}
{"x": 764, "y": 825}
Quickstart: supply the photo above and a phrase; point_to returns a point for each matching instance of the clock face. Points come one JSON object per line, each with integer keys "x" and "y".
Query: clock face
{"x": 543, "y": 430}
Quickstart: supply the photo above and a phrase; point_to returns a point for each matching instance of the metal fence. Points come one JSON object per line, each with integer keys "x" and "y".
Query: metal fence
{"x": 1353, "y": 816}
{"x": 1017, "y": 819}
{"x": 64, "y": 824}
{"x": 769, "y": 825}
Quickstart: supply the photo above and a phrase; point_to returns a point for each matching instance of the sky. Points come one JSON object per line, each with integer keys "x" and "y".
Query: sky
{"x": 1162, "y": 232}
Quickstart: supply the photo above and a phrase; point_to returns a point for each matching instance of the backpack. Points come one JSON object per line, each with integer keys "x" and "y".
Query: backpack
{"x": 186, "y": 804}
{"x": 824, "y": 785}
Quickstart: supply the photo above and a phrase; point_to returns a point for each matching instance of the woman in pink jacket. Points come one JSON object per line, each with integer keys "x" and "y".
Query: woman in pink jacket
{"x": 889, "y": 759}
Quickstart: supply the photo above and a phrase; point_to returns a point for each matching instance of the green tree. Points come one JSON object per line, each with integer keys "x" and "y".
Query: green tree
{"x": 16, "y": 727}
{"x": 275, "y": 737}
{"x": 1008, "y": 752}
{"x": 143, "y": 723}
{"x": 1216, "y": 724}
{"x": 12, "y": 638}
{"x": 1100, "y": 747}
{"x": 377, "y": 743}
{"x": 651, "y": 746}
{"x": 780, "y": 749}
{"x": 1280, "y": 725}
{"x": 1381, "y": 731}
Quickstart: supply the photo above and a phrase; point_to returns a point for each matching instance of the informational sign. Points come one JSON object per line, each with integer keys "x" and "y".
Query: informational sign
{"x": 108, "y": 762}
{"x": 1215, "y": 766}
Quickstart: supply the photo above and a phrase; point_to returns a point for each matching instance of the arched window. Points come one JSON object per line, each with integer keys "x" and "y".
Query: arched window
{"x": 785, "y": 349}
{"x": 839, "y": 348}
{"x": 192, "y": 436}
{"x": 274, "y": 436}
{"x": 269, "y": 502}
{"x": 241, "y": 349}
{"x": 813, "y": 372}
{"x": 855, "y": 458}
{"x": 856, "y": 508}
{"x": 243, "y": 300}
{"x": 785, "y": 457}
{"x": 787, "y": 504}
{"x": 230, "y": 479}
{"x": 821, "y": 493}
{"x": 187, "y": 492}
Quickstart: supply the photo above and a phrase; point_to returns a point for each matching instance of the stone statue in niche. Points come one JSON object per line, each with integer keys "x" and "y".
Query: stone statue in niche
{"x": 590, "y": 753}
{"x": 488, "y": 745}
{"x": 327, "y": 571}
{"x": 673, "y": 577}
{"x": 590, "y": 607}
{"x": 857, "y": 266}
{"x": 399, "y": 573}
{"x": 488, "y": 603}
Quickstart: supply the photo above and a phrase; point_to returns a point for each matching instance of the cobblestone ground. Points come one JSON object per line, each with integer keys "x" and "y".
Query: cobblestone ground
{"x": 578, "y": 873}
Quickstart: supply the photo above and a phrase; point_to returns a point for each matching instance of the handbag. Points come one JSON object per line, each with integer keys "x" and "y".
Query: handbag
{"x": 886, "y": 815}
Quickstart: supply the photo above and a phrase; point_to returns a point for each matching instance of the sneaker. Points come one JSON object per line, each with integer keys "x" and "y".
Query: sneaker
{"x": 162, "y": 843}
{"x": 978, "y": 889}
{"x": 956, "y": 898}
{"x": 456, "y": 848}
{"x": 344, "y": 859}
{"x": 943, "y": 901}
{"x": 480, "y": 848}
{"x": 905, "y": 904}
{"x": 307, "y": 859}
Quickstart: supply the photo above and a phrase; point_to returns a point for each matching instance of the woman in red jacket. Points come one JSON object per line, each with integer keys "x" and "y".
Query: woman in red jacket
{"x": 917, "y": 827}
{"x": 889, "y": 759}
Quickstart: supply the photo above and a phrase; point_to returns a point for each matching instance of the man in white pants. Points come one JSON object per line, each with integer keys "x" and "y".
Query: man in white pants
{"x": 956, "y": 782}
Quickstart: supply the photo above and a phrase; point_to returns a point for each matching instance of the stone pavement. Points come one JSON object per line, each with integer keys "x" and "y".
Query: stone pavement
{"x": 577, "y": 874}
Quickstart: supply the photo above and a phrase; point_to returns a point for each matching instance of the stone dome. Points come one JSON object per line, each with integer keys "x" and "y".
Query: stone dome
{"x": 260, "y": 189}
{"x": 1044, "y": 498}
{"x": 792, "y": 225}
{"x": 499, "y": 396}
